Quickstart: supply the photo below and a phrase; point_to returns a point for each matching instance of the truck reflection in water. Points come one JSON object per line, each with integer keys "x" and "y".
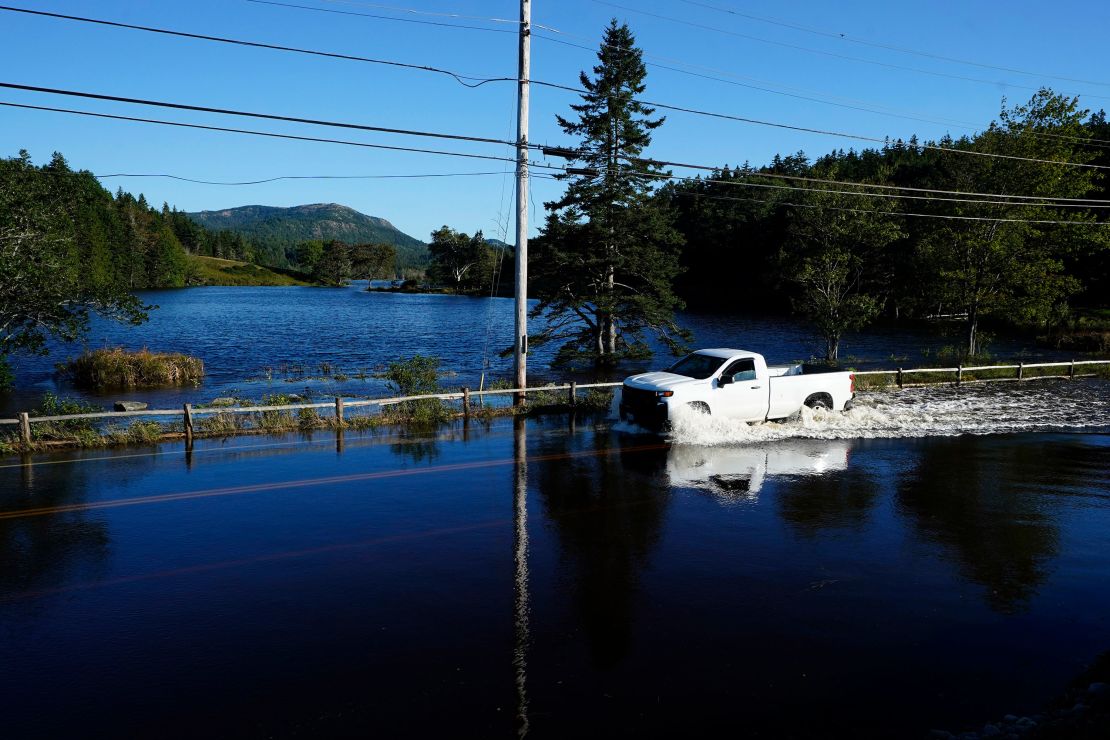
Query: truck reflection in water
{"x": 736, "y": 474}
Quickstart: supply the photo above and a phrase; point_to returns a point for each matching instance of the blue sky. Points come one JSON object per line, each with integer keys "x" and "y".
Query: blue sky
{"x": 1062, "y": 39}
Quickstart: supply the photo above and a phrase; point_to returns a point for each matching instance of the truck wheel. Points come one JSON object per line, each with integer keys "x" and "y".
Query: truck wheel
{"x": 819, "y": 401}
{"x": 700, "y": 406}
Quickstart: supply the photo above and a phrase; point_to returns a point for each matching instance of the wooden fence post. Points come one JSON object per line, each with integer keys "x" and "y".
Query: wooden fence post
{"x": 573, "y": 394}
{"x": 1071, "y": 371}
{"x": 1021, "y": 370}
{"x": 25, "y": 428}
{"x": 189, "y": 424}
{"x": 899, "y": 377}
{"x": 338, "y": 412}
{"x": 959, "y": 374}
{"x": 466, "y": 402}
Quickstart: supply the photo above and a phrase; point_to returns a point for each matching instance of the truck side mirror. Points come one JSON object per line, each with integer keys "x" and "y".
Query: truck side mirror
{"x": 724, "y": 380}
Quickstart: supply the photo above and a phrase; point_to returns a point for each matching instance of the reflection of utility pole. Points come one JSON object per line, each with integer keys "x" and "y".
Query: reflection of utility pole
{"x": 27, "y": 470}
{"x": 520, "y": 573}
{"x": 520, "y": 339}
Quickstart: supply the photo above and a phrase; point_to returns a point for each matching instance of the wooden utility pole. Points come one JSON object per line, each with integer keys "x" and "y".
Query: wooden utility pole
{"x": 520, "y": 348}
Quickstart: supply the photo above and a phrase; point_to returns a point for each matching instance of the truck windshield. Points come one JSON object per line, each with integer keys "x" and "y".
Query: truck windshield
{"x": 697, "y": 366}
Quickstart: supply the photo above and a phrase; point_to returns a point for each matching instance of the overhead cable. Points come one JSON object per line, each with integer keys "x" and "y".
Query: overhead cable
{"x": 249, "y": 114}
{"x": 890, "y": 47}
{"x": 899, "y": 213}
{"x": 467, "y": 80}
{"x": 269, "y": 134}
{"x": 821, "y": 52}
{"x": 383, "y": 17}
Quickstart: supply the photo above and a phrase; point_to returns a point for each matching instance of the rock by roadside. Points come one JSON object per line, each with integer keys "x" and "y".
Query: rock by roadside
{"x": 130, "y": 406}
{"x": 1080, "y": 713}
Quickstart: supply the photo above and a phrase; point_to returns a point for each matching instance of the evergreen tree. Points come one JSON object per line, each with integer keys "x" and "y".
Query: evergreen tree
{"x": 604, "y": 264}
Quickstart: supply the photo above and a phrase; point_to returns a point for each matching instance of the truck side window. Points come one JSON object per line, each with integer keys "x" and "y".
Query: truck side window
{"x": 741, "y": 370}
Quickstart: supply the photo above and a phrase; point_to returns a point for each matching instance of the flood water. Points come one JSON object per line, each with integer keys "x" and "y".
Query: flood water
{"x": 259, "y": 341}
{"x": 932, "y": 559}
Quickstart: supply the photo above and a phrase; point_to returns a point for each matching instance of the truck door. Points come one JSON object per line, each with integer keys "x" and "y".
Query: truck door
{"x": 739, "y": 393}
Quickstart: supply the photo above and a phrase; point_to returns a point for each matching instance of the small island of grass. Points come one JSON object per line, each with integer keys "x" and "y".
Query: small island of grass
{"x": 117, "y": 368}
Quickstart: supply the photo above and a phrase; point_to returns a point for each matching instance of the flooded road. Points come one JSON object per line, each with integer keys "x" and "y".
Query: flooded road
{"x": 916, "y": 565}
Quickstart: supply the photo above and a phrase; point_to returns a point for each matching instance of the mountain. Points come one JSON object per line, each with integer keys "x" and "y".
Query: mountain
{"x": 284, "y": 228}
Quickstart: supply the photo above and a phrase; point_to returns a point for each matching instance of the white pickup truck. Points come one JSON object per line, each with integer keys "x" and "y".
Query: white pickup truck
{"x": 733, "y": 384}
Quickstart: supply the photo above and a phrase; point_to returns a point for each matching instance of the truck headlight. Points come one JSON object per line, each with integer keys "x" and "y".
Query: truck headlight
{"x": 664, "y": 394}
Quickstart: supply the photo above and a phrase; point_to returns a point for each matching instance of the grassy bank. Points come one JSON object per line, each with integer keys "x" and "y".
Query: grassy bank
{"x": 117, "y": 368}
{"x": 216, "y": 271}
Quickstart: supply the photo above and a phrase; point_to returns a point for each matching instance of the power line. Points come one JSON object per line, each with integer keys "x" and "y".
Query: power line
{"x": 890, "y": 47}
{"x": 714, "y": 74}
{"x": 269, "y": 179}
{"x": 898, "y": 213}
{"x": 704, "y": 75}
{"x": 980, "y": 201}
{"x": 461, "y": 79}
{"x": 797, "y": 47}
{"x": 480, "y": 156}
{"x": 902, "y": 188}
{"x": 484, "y": 140}
{"x": 478, "y": 81}
{"x": 383, "y": 17}
{"x": 269, "y": 134}
{"x": 414, "y": 11}
{"x": 249, "y": 114}
{"x": 862, "y": 108}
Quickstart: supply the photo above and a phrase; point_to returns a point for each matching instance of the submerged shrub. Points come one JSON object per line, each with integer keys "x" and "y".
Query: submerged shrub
{"x": 418, "y": 375}
{"x": 118, "y": 368}
{"x": 222, "y": 423}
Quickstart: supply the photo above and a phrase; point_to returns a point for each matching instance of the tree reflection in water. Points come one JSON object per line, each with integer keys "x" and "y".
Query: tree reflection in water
{"x": 46, "y": 550}
{"x": 981, "y": 500}
{"x": 607, "y": 511}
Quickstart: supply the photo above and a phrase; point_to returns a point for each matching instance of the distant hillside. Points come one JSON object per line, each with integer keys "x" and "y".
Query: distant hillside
{"x": 284, "y": 228}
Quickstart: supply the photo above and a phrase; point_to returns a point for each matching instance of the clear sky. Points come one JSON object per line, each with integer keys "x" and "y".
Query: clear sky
{"x": 795, "y": 68}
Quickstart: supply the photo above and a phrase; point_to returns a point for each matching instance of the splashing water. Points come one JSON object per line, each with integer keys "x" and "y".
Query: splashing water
{"x": 922, "y": 412}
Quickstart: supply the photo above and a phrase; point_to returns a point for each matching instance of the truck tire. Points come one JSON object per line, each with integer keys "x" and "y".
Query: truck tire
{"x": 820, "y": 401}
{"x": 700, "y": 406}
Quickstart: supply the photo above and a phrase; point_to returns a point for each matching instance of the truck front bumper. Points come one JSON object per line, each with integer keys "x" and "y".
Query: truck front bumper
{"x": 644, "y": 409}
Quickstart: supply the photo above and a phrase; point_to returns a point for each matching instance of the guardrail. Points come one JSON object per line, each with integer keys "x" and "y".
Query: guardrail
{"x": 187, "y": 411}
{"x": 959, "y": 371}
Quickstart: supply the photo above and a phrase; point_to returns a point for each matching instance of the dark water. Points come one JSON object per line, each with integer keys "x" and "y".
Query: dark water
{"x": 257, "y": 341}
{"x": 555, "y": 580}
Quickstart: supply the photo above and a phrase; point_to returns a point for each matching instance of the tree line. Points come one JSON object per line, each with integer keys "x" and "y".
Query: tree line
{"x": 896, "y": 231}
{"x": 70, "y": 248}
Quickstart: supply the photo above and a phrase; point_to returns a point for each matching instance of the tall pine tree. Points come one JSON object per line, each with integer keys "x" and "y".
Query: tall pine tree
{"x": 604, "y": 263}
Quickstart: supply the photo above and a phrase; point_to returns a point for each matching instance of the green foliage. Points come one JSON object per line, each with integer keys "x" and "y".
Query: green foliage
{"x": 831, "y": 241}
{"x": 80, "y": 431}
{"x": 374, "y": 261}
{"x": 58, "y": 255}
{"x": 308, "y": 254}
{"x": 334, "y": 267}
{"x": 118, "y": 368}
{"x": 222, "y": 424}
{"x": 605, "y": 262}
{"x": 741, "y": 223}
{"x": 7, "y": 378}
{"x": 466, "y": 264}
{"x": 1010, "y": 266}
{"x": 418, "y": 375}
{"x": 216, "y": 271}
